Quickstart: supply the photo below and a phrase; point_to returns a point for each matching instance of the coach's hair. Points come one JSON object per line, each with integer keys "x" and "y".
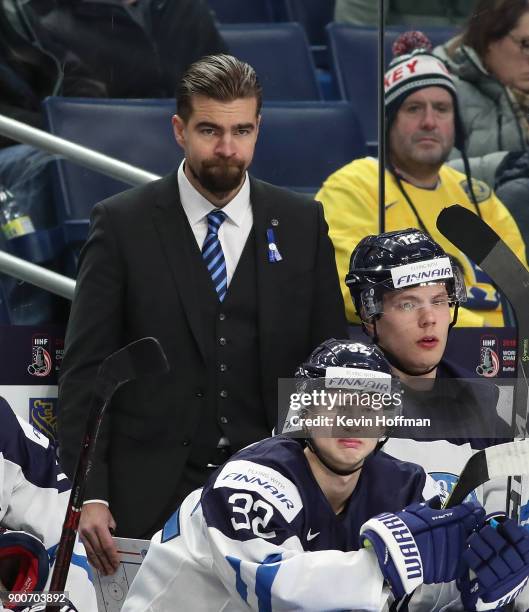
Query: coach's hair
{"x": 492, "y": 20}
{"x": 220, "y": 77}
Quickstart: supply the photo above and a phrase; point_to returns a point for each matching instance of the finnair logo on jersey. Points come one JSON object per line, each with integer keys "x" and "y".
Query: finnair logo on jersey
{"x": 421, "y": 272}
{"x": 269, "y": 483}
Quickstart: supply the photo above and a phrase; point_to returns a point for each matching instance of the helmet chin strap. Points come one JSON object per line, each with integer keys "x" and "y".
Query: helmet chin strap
{"x": 313, "y": 447}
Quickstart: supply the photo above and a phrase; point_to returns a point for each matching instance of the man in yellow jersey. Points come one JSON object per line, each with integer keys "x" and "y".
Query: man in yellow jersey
{"x": 423, "y": 125}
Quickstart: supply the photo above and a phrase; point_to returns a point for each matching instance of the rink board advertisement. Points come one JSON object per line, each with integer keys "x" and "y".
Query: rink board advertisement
{"x": 31, "y": 359}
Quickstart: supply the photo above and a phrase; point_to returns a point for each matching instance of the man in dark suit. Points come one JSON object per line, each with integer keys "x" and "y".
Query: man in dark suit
{"x": 237, "y": 280}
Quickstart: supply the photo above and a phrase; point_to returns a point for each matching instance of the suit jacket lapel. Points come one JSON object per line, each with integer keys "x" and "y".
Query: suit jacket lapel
{"x": 177, "y": 243}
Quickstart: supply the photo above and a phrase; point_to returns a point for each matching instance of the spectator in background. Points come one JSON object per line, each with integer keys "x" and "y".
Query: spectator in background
{"x": 490, "y": 61}
{"x": 231, "y": 320}
{"x": 411, "y": 13}
{"x": 94, "y": 49}
{"x": 423, "y": 124}
{"x": 100, "y": 49}
{"x": 84, "y": 48}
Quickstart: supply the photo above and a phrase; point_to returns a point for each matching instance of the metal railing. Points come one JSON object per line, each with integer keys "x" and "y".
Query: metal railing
{"x": 82, "y": 155}
{"x": 16, "y": 130}
{"x": 37, "y": 275}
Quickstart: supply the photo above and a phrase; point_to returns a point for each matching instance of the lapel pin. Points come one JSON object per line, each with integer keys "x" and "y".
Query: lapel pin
{"x": 273, "y": 252}
{"x": 274, "y": 222}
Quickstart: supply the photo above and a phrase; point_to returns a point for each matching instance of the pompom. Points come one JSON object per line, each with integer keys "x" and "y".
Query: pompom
{"x": 410, "y": 41}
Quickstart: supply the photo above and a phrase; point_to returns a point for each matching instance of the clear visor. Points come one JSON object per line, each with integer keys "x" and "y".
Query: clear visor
{"x": 405, "y": 294}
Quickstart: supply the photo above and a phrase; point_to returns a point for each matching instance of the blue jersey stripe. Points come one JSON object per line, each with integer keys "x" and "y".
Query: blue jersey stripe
{"x": 240, "y": 585}
{"x": 264, "y": 578}
{"x": 171, "y": 529}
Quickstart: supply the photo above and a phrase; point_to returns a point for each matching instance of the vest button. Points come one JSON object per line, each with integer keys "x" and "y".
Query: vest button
{"x": 199, "y": 394}
{"x": 222, "y": 341}
{"x": 223, "y": 367}
{"x": 223, "y": 394}
{"x": 222, "y": 317}
{"x": 223, "y": 420}
{"x": 185, "y": 442}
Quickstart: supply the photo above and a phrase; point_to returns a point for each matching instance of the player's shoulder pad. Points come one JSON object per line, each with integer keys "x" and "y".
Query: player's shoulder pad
{"x": 481, "y": 190}
{"x": 269, "y": 483}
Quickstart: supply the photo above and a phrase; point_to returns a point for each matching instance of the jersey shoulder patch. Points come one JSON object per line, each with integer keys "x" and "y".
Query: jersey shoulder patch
{"x": 481, "y": 190}
{"x": 273, "y": 486}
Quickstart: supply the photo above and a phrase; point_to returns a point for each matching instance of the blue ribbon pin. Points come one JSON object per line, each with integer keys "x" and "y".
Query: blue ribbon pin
{"x": 273, "y": 252}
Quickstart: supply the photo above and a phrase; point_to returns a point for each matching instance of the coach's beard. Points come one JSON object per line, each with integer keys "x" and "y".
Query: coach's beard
{"x": 218, "y": 176}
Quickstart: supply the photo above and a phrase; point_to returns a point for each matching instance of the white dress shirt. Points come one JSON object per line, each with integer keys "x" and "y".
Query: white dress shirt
{"x": 233, "y": 233}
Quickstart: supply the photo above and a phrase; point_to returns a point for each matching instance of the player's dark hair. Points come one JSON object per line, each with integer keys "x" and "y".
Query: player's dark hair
{"x": 220, "y": 77}
{"x": 492, "y": 20}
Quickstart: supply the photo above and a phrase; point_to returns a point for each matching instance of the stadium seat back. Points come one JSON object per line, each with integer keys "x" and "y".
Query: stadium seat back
{"x": 242, "y": 11}
{"x": 300, "y": 144}
{"x": 314, "y": 15}
{"x": 281, "y": 56}
{"x": 138, "y": 132}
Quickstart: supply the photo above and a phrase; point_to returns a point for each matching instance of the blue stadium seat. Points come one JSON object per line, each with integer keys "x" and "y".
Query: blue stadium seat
{"x": 353, "y": 52}
{"x": 242, "y": 11}
{"x": 138, "y": 132}
{"x": 314, "y": 15}
{"x": 299, "y": 145}
{"x": 281, "y": 56}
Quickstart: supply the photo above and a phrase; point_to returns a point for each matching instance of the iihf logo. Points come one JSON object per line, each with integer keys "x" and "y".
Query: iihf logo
{"x": 489, "y": 362}
{"x": 40, "y": 357}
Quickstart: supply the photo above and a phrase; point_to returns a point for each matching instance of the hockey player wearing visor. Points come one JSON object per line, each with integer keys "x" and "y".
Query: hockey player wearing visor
{"x": 285, "y": 525}
{"x": 407, "y": 292}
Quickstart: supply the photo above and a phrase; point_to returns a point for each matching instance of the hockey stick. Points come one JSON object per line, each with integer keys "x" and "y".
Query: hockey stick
{"x": 480, "y": 242}
{"x": 138, "y": 359}
{"x": 500, "y": 461}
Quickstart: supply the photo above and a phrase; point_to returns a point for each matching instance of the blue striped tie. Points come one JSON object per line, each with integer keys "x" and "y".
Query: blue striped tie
{"x": 212, "y": 253}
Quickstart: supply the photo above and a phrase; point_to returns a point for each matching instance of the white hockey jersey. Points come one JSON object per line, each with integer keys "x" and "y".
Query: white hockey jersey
{"x": 262, "y": 536}
{"x": 34, "y": 496}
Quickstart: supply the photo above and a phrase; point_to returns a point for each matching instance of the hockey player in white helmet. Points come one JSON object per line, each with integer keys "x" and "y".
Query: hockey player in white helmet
{"x": 291, "y": 524}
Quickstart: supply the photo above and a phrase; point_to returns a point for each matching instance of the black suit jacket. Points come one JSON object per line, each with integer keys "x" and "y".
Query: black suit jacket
{"x": 135, "y": 280}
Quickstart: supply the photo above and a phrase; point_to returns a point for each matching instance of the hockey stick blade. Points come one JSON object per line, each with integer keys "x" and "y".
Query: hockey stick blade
{"x": 500, "y": 461}
{"x": 482, "y": 244}
{"x": 139, "y": 359}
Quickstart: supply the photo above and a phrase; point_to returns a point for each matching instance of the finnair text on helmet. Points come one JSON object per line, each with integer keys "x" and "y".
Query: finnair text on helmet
{"x": 421, "y": 277}
{"x": 432, "y": 270}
